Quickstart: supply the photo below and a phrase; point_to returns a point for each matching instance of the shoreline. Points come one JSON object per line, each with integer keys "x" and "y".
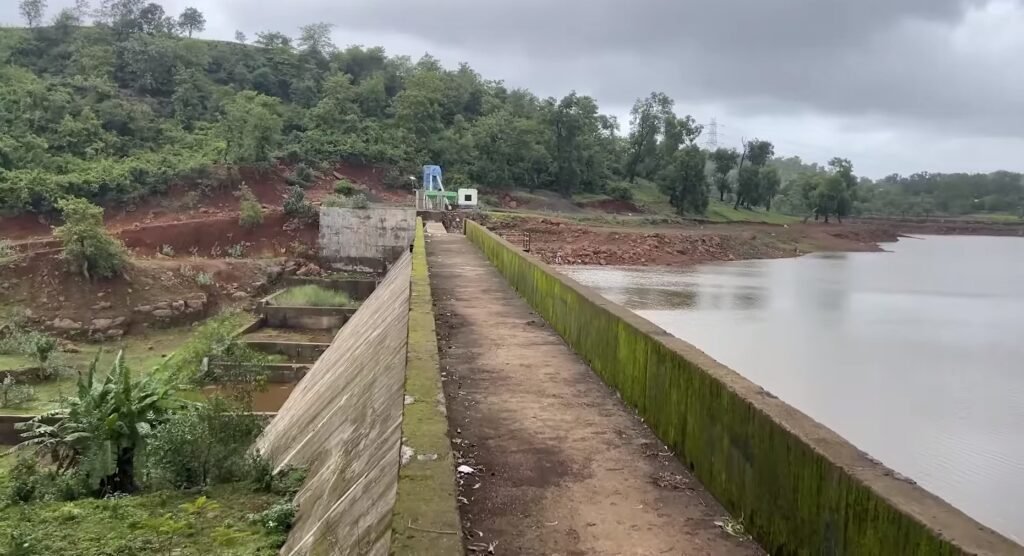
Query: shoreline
{"x": 561, "y": 241}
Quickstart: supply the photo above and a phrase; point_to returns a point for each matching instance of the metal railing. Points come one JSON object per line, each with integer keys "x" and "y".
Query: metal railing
{"x": 520, "y": 239}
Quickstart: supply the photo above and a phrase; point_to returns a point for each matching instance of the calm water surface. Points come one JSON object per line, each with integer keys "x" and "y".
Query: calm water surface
{"x": 916, "y": 355}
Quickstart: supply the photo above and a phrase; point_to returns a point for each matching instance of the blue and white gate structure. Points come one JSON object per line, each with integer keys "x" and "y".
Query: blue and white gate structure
{"x": 434, "y": 197}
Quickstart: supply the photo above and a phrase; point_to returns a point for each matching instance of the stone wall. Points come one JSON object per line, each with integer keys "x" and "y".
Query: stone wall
{"x": 343, "y": 421}
{"x": 798, "y": 486}
{"x": 365, "y": 239}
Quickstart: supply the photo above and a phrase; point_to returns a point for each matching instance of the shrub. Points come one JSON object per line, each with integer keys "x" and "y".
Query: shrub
{"x": 87, "y": 246}
{"x": 344, "y": 187}
{"x": 296, "y": 206}
{"x": 250, "y": 212}
{"x": 13, "y": 394}
{"x": 167, "y": 250}
{"x": 43, "y": 346}
{"x": 15, "y": 339}
{"x": 312, "y": 296}
{"x": 278, "y": 518}
{"x": 204, "y": 279}
{"x": 236, "y": 251}
{"x": 301, "y": 176}
{"x": 203, "y": 445}
{"x": 357, "y": 201}
{"x": 6, "y": 249}
{"x": 334, "y": 201}
{"x": 214, "y": 340}
{"x": 23, "y": 480}
{"x": 620, "y": 192}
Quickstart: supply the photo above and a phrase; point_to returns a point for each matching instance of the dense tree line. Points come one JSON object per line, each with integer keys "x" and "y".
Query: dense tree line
{"x": 114, "y": 103}
{"x": 919, "y": 194}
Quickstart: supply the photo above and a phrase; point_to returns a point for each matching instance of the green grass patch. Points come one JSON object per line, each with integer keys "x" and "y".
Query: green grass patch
{"x": 723, "y": 212}
{"x": 312, "y": 295}
{"x": 993, "y": 217}
{"x": 143, "y": 353}
{"x": 161, "y": 522}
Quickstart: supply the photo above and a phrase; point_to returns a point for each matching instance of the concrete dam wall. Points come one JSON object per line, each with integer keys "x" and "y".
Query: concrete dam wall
{"x": 799, "y": 487}
{"x": 344, "y": 422}
{"x": 365, "y": 239}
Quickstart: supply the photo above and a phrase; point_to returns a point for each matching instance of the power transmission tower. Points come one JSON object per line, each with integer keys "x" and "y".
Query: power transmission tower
{"x": 712, "y": 135}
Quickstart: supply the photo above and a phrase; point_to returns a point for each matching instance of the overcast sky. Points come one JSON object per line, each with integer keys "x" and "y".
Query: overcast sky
{"x": 894, "y": 85}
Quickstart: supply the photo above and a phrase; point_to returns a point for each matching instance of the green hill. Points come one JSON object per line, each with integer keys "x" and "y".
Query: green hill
{"x": 120, "y": 109}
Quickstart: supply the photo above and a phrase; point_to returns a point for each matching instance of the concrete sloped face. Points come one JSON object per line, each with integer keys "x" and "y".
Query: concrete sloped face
{"x": 344, "y": 422}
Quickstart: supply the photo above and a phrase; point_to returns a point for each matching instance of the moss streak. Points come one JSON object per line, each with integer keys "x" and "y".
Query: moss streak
{"x": 426, "y": 489}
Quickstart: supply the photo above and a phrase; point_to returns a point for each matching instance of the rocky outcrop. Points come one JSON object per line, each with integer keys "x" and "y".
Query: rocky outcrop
{"x": 65, "y": 324}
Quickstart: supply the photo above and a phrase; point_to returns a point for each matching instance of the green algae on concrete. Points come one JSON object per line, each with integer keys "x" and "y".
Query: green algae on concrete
{"x": 797, "y": 486}
{"x": 426, "y": 516}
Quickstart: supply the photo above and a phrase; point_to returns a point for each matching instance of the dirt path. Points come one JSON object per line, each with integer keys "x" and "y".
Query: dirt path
{"x": 562, "y": 466}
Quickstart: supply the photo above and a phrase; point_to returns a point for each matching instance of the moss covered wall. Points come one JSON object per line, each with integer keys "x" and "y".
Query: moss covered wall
{"x": 797, "y": 486}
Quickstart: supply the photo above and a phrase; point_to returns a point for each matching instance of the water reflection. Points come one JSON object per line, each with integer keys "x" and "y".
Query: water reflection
{"x": 914, "y": 355}
{"x": 733, "y": 288}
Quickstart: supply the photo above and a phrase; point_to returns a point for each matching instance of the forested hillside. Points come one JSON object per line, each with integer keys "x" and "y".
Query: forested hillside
{"x": 119, "y": 108}
{"x": 116, "y": 103}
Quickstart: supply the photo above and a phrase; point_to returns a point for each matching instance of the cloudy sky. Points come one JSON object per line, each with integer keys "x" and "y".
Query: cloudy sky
{"x": 895, "y": 85}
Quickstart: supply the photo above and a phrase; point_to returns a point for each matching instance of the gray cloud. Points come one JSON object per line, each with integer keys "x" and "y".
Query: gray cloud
{"x": 905, "y": 84}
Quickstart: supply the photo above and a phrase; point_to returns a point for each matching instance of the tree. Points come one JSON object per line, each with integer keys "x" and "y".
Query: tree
{"x": 191, "y": 96}
{"x": 82, "y": 9}
{"x": 769, "y": 183}
{"x": 153, "y": 20}
{"x": 240, "y": 37}
{"x": 32, "y": 11}
{"x": 418, "y": 109}
{"x": 273, "y": 39}
{"x": 748, "y": 181}
{"x": 647, "y": 119}
{"x": 579, "y": 149}
{"x": 251, "y": 128}
{"x": 686, "y": 181}
{"x": 316, "y": 37}
{"x": 88, "y": 247}
{"x": 192, "y": 21}
{"x": 250, "y": 212}
{"x": 66, "y": 19}
{"x": 724, "y": 160}
{"x": 757, "y": 153}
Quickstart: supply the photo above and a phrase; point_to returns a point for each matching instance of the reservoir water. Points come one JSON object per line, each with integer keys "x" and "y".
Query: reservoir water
{"x": 915, "y": 355}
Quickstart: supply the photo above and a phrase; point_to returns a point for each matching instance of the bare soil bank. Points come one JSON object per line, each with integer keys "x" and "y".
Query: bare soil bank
{"x": 558, "y": 241}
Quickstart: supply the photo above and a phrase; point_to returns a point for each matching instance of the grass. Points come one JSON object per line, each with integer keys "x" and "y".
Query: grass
{"x": 312, "y": 296}
{"x": 723, "y": 212}
{"x": 142, "y": 353}
{"x": 993, "y": 217}
{"x": 160, "y": 522}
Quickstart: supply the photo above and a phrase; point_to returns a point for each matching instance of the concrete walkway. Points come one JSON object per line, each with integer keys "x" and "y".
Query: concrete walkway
{"x": 563, "y": 467}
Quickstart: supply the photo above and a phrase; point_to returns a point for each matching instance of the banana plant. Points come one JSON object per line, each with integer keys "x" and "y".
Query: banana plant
{"x": 103, "y": 429}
